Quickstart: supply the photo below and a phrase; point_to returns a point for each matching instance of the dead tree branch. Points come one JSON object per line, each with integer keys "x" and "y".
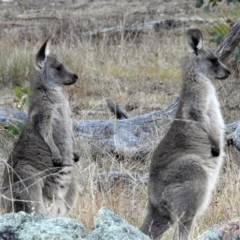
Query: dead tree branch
{"x": 229, "y": 42}
{"x": 117, "y": 110}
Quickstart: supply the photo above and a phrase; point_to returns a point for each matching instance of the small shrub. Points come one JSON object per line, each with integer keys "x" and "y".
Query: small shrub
{"x": 21, "y": 96}
{"x": 210, "y": 4}
{"x": 219, "y": 28}
{"x": 16, "y": 130}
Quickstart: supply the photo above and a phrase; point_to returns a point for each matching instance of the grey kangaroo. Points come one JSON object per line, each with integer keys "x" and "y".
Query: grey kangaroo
{"x": 186, "y": 163}
{"x": 39, "y": 172}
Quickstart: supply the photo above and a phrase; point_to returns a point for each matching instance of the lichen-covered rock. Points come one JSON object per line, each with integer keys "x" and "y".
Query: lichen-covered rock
{"x": 224, "y": 231}
{"x": 109, "y": 226}
{"x": 22, "y": 226}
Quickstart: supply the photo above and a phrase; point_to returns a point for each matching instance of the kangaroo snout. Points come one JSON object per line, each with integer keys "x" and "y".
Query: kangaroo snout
{"x": 225, "y": 74}
{"x": 73, "y": 80}
{"x": 228, "y": 73}
{"x": 75, "y": 76}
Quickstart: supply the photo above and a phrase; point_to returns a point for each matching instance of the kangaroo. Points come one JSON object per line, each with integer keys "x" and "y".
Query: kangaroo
{"x": 39, "y": 173}
{"x": 185, "y": 166}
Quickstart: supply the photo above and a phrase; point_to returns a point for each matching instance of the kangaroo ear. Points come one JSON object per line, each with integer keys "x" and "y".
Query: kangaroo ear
{"x": 42, "y": 55}
{"x": 194, "y": 40}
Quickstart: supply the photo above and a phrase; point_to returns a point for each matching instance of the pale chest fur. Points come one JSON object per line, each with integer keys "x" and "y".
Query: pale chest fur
{"x": 62, "y": 121}
{"x": 213, "y": 165}
{"x": 214, "y": 114}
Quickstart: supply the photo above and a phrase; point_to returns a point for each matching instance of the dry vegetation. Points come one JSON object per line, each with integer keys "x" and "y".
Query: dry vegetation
{"x": 142, "y": 74}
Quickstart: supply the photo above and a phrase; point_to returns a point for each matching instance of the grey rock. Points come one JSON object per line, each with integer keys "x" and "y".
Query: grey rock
{"x": 109, "y": 226}
{"x": 223, "y": 231}
{"x": 23, "y": 226}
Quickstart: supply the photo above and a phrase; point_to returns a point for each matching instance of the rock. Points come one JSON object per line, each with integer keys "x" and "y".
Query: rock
{"x": 109, "y": 226}
{"x": 223, "y": 231}
{"x": 23, "y": 226}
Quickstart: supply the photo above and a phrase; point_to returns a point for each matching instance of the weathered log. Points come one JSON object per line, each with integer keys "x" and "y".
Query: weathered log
{"x": 137, "y": 29}
{"x": 132, "y": 137}
{"x": 229, "y": 42}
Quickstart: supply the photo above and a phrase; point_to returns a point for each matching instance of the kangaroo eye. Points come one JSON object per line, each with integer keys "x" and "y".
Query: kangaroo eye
{"x": 214, "y": 61}
{"x": 59, "y": 68}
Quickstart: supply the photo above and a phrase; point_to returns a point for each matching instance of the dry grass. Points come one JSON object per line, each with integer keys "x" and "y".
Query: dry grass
{"x": 144, "y": 74}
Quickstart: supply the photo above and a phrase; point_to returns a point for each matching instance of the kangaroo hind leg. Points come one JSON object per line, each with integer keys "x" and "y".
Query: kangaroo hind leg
{"x": 183, "y": 201}
{"x": 22, "y": 193}
{"x": 183, "y": 228}
{"x": 157, "y": 221}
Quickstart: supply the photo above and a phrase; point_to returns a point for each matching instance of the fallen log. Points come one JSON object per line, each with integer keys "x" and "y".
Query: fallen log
{"x": 134, "y": 137}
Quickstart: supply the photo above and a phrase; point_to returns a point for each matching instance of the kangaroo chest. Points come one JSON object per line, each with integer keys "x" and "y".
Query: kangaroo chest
{"x": 62, "y": 123}
{"x": 214, "y": 113}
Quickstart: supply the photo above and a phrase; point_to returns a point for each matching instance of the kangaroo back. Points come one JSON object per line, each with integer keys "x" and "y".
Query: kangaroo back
{"x": 39, "y": 172}
{"x": 186, "y": 163}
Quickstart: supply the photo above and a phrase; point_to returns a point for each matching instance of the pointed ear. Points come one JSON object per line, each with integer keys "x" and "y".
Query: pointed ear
{"x": 42, "y": 54}
{"x": 194, "y": 40}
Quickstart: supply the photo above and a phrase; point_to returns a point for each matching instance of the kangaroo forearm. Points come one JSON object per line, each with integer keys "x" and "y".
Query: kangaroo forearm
{"x": 50, "y": 142}
{"x": 75, "y": 154}
{"x": 42, "y": 125}
{"x": 214, "y": 134}
{"x": 214, "y": 139}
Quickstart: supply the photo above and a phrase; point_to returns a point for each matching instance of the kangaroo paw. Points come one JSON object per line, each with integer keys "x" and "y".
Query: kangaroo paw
{"x": 57, "y": 162}
{"x": 215, "y": 152}
{"x": 75, "y": 157}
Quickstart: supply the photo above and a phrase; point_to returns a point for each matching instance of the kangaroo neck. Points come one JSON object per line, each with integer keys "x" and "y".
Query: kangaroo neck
{"x": 196, "y": 89}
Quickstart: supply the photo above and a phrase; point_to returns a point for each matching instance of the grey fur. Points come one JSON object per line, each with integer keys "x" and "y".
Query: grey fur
{"x": 186, "y": 163}
{"x": 39, "y": 173}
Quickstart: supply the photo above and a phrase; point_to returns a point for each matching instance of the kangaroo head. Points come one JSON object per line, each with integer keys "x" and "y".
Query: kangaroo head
{"x": 53, "y": 72}
{"x": 206, "y": 62}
